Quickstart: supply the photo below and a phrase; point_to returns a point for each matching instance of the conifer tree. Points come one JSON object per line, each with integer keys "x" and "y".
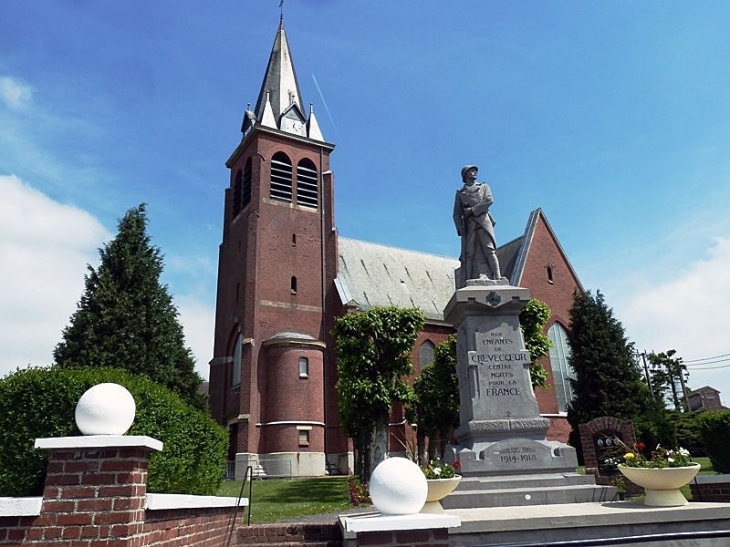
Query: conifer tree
{"x": 126, "y": 318}
{"x": 608, "y": 380}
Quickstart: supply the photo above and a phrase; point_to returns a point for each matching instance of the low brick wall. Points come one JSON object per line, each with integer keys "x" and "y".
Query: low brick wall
{"x": 405, "y": 538}
{"x": 711, "y": 488}
{"x": 96, "y": 496}
{"x": 188, "y": 527}
{"x": 287, "y": 534}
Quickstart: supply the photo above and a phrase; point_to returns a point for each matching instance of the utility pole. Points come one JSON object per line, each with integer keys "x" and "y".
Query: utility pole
{"x": 646, "y": 373}
{"x": 680, "y": 366}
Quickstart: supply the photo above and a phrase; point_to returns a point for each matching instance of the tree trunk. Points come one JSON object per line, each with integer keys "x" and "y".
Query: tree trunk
{"x": 364, "y": 466}
{"x": 421, "y": 446}
{"x": 380, "y": 443}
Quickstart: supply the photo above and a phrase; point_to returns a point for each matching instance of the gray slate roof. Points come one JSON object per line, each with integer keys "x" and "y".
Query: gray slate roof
{"x": 377, "y": 275}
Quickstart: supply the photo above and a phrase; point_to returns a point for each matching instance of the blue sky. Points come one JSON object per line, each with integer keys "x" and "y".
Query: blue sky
{"x": 611, "y": 116}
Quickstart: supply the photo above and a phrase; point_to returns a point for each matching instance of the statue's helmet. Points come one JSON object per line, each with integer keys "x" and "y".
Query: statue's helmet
{"x": 466, "y": 168}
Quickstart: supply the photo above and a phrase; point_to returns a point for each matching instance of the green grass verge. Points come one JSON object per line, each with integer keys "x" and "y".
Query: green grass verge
{"x": 276, "y": 499}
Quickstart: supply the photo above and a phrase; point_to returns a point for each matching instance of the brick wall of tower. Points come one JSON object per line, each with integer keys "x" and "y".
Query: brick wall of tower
{"x": 269, "y": 243}
{"x": 293, "y": 397}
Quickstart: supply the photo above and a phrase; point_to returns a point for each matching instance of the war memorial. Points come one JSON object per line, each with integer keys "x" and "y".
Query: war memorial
{"x": 518, "y": 488}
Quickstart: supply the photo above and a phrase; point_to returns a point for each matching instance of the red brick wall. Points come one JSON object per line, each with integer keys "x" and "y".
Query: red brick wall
{"x": 414, "y": 538}
{"x": 290, "y": 397}
{"x": 557, "y": 293}
{"x": 189, "y": 528}
{"x": 290, "y": 534}
{"x": 716, "y": 492}
{"x": 559, "y": 429}
{"x": 258, "y": 258}
{"x": 96, "y": 498}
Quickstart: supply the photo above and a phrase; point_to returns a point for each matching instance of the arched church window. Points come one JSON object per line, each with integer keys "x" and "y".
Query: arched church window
{"x": 237, "y": 360}
{"x": 246, "y": 192}
{"x": 425, "y": 353}
{"x": 307, "y": 187}
{"x": 237, "y": 191}
{"x": 562, "y": 372}
{"x": 281, "y": 177}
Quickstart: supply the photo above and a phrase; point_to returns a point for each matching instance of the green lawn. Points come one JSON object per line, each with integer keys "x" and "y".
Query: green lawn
{"x": 276, "y": 499}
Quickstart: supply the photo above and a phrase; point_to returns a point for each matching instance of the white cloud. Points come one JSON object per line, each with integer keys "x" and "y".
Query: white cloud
{"x": 15, "y": 93}
{"x": 689, "y": 313}
{"x": 198, "y": 321}
{"x": 45, "y": 247}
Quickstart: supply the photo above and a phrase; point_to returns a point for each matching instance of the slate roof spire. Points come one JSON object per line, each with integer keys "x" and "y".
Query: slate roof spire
{"x": 280, "y": 94}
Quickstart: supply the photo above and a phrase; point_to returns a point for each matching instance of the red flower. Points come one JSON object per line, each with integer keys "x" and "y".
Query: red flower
{"x": 457, "y": 464}
{"x": 640, "y": 446}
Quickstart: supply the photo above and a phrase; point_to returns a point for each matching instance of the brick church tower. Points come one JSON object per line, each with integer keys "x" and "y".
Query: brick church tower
{"x": 276, "y": 266}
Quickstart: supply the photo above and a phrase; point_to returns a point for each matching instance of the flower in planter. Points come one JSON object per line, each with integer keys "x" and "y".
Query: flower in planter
{"x": 659, "y": 458}
{"x": 440, "y": 470}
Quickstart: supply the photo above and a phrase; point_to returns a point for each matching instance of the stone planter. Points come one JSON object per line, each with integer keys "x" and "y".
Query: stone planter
{"x": 661, "y": 485}
{"x": 438, "y": 489}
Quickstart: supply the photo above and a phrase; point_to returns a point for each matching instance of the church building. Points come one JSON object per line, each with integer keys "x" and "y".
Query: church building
{"x": 285, "y": 274}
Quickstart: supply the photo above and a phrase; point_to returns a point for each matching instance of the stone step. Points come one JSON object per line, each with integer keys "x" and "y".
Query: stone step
{"x": 506, "y": 497}
{"x": 540, "y": 480}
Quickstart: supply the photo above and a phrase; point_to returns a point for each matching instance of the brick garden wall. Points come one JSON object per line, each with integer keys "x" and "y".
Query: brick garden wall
{"x": 95, "y": 497}
{"x": 715, "y": 488}
{"x": 404, "y": 538}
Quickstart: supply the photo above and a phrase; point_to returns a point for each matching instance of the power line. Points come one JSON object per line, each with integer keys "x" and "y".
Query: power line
{"x": 712, "y": 368}
{"x": 706, "y": 358}
{"x": 700, "y": 365}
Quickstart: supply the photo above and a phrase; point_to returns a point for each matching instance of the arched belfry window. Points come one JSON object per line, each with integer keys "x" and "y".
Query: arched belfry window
{"x": 307, "y": 187}
{"x": 562, "y": 372}
{"x": 237, "y": 192}
{"x": 246, "y": 192}
{"x": 281, "y": 177}
{"x": 425, "y": 353}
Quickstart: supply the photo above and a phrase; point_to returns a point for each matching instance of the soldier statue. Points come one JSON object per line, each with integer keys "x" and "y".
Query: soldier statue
{"x": 476, "y": 227}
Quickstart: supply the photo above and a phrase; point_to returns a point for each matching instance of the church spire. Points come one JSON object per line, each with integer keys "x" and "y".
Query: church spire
{"x": 280, "y": 82}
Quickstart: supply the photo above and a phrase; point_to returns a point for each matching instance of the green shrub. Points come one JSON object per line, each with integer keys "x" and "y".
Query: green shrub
{"x": 688, "y": 432}
{"x": 715, "y": 432}
{"x": 40, "y": 402}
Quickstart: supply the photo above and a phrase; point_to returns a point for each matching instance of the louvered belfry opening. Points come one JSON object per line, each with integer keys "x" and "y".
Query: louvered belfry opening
{"x": 281, "y": 177}
{"x": 307, "y": 188}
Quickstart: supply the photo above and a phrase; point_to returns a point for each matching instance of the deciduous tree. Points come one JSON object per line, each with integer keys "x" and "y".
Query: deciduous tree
{"x": 436, "y": 399}
{"x": 373, "y": 360}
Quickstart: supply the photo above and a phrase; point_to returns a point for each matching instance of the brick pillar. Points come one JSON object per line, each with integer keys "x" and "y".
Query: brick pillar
{"x": 95, "y": 490}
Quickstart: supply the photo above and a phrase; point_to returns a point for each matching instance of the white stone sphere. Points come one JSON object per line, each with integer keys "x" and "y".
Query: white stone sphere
{"x": 105, "y": 409}
{"x": 398, "y": 487}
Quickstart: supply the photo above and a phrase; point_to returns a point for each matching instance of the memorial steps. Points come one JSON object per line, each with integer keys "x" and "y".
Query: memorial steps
{"x": 521, "y": 490}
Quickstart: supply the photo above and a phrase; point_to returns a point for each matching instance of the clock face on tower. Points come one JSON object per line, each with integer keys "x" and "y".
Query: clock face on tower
{"x": 294, "y": 126}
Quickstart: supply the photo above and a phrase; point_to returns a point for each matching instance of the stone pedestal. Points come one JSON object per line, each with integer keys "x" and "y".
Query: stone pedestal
{"x": 501, "y": 436}
{"x": 500, "y": 430}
